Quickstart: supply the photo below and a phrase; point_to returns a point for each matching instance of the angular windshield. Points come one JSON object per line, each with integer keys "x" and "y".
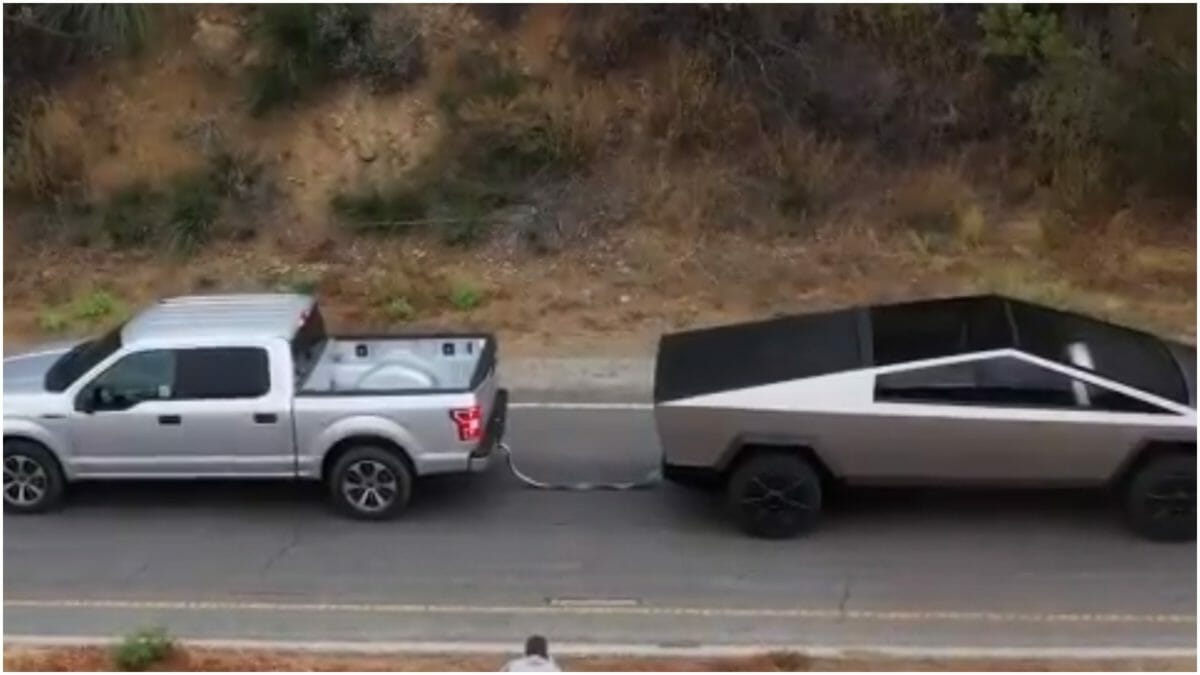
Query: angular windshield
{"x": 82, "y": 358}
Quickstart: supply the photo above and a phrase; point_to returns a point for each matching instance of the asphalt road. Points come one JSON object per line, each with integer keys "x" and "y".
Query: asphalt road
{"x": 482, "y": 558}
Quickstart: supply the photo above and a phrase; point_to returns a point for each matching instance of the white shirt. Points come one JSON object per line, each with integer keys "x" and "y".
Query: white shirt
{"x": 532, "y": 664}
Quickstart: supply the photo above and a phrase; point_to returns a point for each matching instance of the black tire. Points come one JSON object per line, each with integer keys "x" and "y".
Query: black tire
{"x": 775, "y": 496}
{"x": 33, "y": 480}
{"x": 1160, "y": 499}
{"x": 376, "y": 470}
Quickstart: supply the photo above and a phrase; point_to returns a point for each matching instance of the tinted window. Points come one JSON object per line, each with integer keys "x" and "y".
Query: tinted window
{"x": 138, "y": 377}
{"x": 1002, "y": 381}
{"x": 1121, "y": 354}
{"x": 930, "y": 329}
{"x": 224, "y": 372}
{"x": 81, "y": 359}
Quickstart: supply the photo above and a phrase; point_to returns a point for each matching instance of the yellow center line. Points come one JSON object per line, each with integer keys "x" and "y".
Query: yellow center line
{"x": 610, "y": 610}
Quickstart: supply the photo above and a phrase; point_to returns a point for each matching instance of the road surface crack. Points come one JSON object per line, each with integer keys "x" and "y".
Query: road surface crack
{"x": 845, "y": 599}
{"x": 292, "y": 542}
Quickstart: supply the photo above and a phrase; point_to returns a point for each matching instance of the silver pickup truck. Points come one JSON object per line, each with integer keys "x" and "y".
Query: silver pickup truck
{"x": 249, "y": 386}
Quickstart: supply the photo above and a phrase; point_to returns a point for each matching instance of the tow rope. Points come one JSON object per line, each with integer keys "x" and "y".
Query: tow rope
{"x": 651, "y": 479}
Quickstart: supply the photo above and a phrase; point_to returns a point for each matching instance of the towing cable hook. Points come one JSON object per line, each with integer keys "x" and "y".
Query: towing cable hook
{"x": 654, "y": 477}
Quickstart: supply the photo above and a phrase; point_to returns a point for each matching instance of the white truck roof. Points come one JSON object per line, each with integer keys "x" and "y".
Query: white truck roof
{"x": 252, "y": 316}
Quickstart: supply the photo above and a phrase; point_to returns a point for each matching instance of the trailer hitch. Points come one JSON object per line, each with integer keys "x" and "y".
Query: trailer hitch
{"x": 652, "y": 478}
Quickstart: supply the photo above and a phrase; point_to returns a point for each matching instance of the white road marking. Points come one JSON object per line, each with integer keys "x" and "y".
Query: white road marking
{"x": 898, "y": 616}
{"x": 625, "y": 649}
{"x": 565, "y": 405}
{"x": 594, "y": 602}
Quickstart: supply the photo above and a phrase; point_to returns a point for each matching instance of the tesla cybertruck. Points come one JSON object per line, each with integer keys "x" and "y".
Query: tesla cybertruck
{"x": 981, "y": 390}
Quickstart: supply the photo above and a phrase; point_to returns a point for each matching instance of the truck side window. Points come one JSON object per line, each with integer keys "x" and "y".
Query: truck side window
{"x": 222, "y": 373}
{"x": 138, "y": 377}
{"x": 1000, "y": 381}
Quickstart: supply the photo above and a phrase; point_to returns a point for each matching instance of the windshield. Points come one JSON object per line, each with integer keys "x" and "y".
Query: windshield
{"x": 82, "y": 358}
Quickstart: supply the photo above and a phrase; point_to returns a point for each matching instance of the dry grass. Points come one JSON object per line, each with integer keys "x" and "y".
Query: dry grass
{"x": 44, "y": 156}
{"x": 937, "y": 202}
{"x": 685, "y": 108}
{"x": 617, "y": 294}
{"x": 189, "y": 659}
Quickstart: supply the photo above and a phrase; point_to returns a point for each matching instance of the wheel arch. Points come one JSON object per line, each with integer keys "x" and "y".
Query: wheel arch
{"x": 747, "y": 446}
{"x": 341, "y": 447}
{"x": 1144, "y": 453}
{"x": 49, "y": 448}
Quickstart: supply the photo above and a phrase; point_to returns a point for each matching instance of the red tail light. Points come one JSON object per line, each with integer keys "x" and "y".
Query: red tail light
{"x": 469, "y": 423}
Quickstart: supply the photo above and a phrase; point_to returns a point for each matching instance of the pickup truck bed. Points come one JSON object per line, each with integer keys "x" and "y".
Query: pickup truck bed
{"x": 394, "y": 364}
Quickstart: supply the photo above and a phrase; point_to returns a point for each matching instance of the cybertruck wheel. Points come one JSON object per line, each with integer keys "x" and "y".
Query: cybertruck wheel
{"x": 370, "y": 483}
{"x": 33, "y": 481}
{"x": 1160, "y": 501}
{"x": 775, "y": 496}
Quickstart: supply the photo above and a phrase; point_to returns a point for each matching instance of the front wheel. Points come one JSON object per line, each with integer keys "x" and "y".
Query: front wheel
{"x": 1160, "y": 501}
{"x": 370, "y": 483}
{"x": 775, "y": 496}
{"x": 33, "y": 482}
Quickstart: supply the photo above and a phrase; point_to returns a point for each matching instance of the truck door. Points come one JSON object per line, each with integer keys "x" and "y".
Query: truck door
{"x": 208, "y": 411}
{"x": 239, "y": 410}
{"x": 123, "y": 419}
{"x": 998, "y": 418}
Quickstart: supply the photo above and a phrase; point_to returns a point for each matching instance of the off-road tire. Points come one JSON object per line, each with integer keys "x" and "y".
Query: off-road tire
{"x": 369, "y": 468}
{"x": 775, "y": 496}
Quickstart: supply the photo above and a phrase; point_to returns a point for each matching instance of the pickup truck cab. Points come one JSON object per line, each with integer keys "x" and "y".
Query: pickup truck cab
{"x": 250, "y": 386}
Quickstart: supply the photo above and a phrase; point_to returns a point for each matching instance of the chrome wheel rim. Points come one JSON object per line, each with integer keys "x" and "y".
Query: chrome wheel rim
{"x": 370, "y": 486}
{"x": 25, "y": 480}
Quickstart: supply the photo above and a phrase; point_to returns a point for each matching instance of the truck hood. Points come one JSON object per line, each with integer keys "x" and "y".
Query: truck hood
{"x": 25, "y": 372}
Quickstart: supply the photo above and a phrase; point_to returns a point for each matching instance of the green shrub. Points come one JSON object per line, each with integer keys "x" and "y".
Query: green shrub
{"x": 304, "y": 284}
{"x": 98, "y": 304}
{"x": 479, "y": 76}
{"x": 389, "y": 54}
{"x": 130, "y": 217}
{"x": 87, "y": 309}
{"x": 194, "y": 207}
{"x": 456, "y": 208}
{"x": 390, "y": 210}
{"x": 143, "y": 649}
{"x": 53, "y": 321}
{"x": 465, "y": 297}
{"x": 399, "y": 309}
{"x": 312, "y": 44}
{"x": 122, "y": 26}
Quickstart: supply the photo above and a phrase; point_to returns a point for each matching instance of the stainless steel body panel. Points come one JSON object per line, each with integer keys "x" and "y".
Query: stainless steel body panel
{"x": 867, "y": 441}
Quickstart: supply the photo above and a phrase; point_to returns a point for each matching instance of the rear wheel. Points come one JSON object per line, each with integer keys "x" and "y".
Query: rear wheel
{"x": 775, "y": 496}
{"x": 33, "y": 482}
{"x": 370, "y": 483}
{"x": 1160, "y": 500}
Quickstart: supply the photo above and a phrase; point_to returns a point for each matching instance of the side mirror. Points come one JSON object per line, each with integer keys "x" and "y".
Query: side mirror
{"x": 86, "y": 402}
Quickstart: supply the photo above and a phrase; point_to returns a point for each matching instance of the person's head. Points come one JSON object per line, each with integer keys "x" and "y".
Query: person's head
{"x": 536, "y": 646}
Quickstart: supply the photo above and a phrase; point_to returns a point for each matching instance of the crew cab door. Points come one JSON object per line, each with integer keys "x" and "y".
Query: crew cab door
{"x": 1004, "y": 417}
{"x": 203, "y": 411}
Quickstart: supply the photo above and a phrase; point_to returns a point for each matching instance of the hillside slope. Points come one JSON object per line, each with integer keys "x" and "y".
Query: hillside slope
{"x": 588, "y": 178}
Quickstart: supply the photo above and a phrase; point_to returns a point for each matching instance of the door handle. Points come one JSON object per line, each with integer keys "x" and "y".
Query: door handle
{"x": 265, "y": 418}
{"x": 170, "y": 420}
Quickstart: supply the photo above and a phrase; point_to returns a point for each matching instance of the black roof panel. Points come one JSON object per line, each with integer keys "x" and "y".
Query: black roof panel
{"x": 705, "y": 361}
